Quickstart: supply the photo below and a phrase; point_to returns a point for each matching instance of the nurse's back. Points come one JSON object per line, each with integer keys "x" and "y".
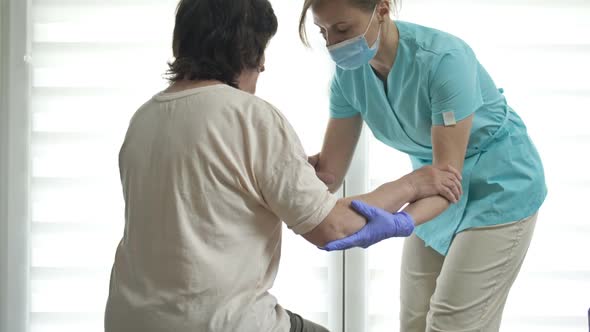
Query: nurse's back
{"x": 200, "y": 247}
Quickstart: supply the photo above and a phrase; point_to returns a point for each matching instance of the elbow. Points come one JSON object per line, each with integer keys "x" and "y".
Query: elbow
{"x": 341, "y": 222}
{"x": 334, "y": 187}
{"x": 318, "y": 239}
{"x": 324, "y": 233}
{"x": 332, "y": 228}
{"x": 336, "y": 184}
{"x": 321, "y": 243}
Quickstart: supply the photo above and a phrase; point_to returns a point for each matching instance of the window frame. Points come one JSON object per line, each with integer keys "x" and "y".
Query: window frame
{"x": 15, "y": 166}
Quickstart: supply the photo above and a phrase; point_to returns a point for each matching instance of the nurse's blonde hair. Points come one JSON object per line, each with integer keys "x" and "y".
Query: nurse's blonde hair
{"x": 367, "y": 5}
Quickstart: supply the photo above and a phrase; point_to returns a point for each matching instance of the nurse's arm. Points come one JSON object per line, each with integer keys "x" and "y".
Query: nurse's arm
{"x": 340, "y": 141}
{"x": 449, "y": 145}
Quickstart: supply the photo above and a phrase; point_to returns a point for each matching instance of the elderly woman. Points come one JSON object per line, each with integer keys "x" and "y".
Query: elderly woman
{"x": 209, "y": 171}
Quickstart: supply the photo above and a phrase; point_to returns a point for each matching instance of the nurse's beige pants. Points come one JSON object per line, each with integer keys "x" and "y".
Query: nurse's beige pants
{"x": 466, "y": 290}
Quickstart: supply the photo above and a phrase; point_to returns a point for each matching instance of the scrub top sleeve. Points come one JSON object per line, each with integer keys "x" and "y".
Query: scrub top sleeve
{"x": 340, "y": 108}
{"x": 455, "y": 91}
{"x": 287, "y": 182}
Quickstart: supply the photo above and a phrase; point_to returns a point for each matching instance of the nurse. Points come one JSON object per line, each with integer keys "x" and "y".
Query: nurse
{"x": 423, "y": 92}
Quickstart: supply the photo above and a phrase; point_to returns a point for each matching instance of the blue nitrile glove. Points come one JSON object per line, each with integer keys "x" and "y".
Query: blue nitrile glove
{"x": 380, "y": 225}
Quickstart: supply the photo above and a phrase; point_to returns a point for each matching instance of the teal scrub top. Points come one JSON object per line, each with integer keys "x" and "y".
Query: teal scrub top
{"x": 437, "y": 80}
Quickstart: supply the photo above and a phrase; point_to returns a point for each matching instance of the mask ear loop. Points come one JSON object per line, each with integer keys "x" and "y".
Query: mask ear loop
{"x": 368, "y": 26}
{"x": 371, "y": 20}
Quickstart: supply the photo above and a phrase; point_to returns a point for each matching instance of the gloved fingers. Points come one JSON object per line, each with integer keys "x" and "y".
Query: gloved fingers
{"x": 406, "y": 224}
{"x": 342, "y": 244}
{"x": 366, "y": 210}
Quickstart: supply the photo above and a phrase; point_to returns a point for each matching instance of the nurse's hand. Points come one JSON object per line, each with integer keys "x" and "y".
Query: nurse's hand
{"x": 326, "y": 178}
{"x": 380, "y": 225}
{"x": 431, "y": 181}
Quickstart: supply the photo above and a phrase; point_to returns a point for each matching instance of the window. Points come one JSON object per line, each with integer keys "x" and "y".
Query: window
{"x": 70, "y": 81}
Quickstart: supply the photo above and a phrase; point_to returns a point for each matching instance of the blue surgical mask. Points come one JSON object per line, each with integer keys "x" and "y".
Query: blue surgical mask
{"x": 355, "y": 52}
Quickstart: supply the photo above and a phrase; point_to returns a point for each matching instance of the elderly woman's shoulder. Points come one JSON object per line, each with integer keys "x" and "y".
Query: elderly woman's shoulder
{"x": 253, "y": 107}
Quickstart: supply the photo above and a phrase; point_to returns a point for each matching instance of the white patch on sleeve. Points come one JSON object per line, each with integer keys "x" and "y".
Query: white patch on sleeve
{"x": 449, "y": 118}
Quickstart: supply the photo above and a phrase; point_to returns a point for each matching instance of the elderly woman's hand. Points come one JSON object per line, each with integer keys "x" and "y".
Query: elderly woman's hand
{"x": 431, "y": 181}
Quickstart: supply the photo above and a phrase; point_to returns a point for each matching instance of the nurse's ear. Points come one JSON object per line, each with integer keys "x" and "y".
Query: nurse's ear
{"x": 383, "y": 11}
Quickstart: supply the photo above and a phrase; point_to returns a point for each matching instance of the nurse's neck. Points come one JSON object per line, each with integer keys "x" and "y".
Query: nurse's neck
{"x": 383, "y": 61}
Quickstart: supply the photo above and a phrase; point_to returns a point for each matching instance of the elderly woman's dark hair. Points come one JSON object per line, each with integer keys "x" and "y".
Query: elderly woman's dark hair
{"x": 218, "y": 39}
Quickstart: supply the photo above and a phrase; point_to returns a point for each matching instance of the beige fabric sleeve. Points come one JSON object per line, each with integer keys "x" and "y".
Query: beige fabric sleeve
{"x": 286, "y": 180}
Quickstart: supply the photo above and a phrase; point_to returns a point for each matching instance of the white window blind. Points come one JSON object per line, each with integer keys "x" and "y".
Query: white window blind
{"x": 538, "y": 52}
{"x": 93, "y": 64}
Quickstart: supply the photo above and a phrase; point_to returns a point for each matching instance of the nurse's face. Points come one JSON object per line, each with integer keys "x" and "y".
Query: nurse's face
{"x": 338, "y": 21}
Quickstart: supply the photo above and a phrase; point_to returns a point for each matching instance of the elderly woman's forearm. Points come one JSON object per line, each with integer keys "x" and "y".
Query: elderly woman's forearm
{"x": 427, "y": 209}
{"x": 343, "y": 221}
